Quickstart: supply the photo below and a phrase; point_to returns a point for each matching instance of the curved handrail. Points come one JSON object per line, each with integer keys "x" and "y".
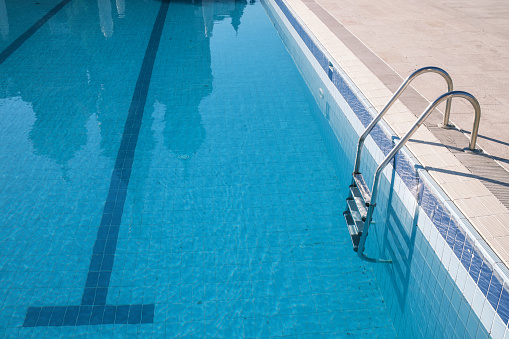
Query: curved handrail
{"x": 388, "y": 158}
{"x": 396, "y": 95}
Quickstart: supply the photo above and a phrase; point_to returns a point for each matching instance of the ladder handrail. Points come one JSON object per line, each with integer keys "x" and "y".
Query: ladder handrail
{"x": 374, "y": 191}
{"x": 396, "y": 95}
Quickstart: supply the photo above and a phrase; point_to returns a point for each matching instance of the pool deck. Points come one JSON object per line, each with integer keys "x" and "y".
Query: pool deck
{"x": 379, "y": 44}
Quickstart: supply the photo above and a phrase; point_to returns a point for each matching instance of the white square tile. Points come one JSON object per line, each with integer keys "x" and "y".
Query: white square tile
{"x": 446, "y": 255}
{"x": 423, "y": 224}
{"x": 433, "y": 235}
{"x": 469, "y": 290}
{"x": 453, "y": 267}
{"x": 498, "y": 328}
{"x": 461, "y": 278}
{"x": 487, "y": 316}
{"x": 439, "y": 244}
{"x": 478, "y": 302}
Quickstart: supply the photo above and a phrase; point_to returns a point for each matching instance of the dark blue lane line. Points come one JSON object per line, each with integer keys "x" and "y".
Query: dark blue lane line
{"x": 29, "y": 32}
{"x": 89, "y": 315}
{"x": 93, "y": 309}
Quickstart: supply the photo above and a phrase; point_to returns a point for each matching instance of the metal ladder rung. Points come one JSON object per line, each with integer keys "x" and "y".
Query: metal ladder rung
{"x": 363, "y": 188}
{"x": 355, "y": 229}
{"x": 359, "y": 201}
{"x": 354, "y": 211}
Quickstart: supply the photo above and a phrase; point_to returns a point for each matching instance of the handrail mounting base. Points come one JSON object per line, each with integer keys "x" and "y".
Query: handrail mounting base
{"x": 448, "y": 126}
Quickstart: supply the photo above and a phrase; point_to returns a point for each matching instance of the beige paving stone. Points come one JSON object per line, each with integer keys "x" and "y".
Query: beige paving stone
{"x": 450, "y": 161}
{"x": 442, "y": 177}
{"x": 476, "y": 187}
{"x": 433, "y": 160}
{"x": 472, "y": 207}
{"x": 501, "y": 246}
{"x": 425, "y": 135}
{"x": 458, "y": 190}
{"x": 490, "y": 226}
{"x": 420, "y": 149}
{"x": 492, "y": 205}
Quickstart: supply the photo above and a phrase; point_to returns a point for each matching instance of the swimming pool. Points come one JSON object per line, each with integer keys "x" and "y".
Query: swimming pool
{"x": 165, "y": 173}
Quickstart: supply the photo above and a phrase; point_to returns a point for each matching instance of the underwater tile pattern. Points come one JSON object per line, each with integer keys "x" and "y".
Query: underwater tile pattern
{"x": 193, "y": 200}
{"x": 93, "y": 309}
{"x": 7, "y": 52}
{"x": 465, "y": 249}
{"x": 19, "y": 18}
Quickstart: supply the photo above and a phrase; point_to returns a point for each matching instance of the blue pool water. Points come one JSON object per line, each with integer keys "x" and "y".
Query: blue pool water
{"x": 163, "y": 175}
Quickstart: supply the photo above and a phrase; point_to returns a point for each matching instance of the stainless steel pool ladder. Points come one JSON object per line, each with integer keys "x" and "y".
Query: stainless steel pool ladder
{"x": 361, "y": 201}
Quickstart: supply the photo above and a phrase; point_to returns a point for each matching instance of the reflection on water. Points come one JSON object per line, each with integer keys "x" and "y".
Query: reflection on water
{"x": 105, "y": 18}
{"x": 18, "y": 120}
{"x": 190, "y": 74}
{"x": 121, "y": 8}
{"x": 64, "y": 92}
{"x": 4, "y": 21}
{"x": 190, "y": 80}
{"x": 218, "y": 10}
{"x": 67, "y": 78}
{"x": 16, "y": 126}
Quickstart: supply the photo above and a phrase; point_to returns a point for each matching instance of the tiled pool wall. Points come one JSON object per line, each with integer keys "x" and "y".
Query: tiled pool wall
{"x": 444, "y": 282}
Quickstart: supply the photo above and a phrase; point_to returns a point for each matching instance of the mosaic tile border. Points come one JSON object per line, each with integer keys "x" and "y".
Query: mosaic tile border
{"x": 466, "y": 248}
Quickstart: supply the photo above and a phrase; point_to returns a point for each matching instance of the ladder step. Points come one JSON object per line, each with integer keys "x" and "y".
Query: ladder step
{"x": 363, "y": 188}
{"x": 359, "y": 201}
{"x": 355, "y": 229}
{"x": 358, "y": 215}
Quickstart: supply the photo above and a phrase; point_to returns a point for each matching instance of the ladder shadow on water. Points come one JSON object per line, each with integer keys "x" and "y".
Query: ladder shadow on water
{"x": 399, "y": 242}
